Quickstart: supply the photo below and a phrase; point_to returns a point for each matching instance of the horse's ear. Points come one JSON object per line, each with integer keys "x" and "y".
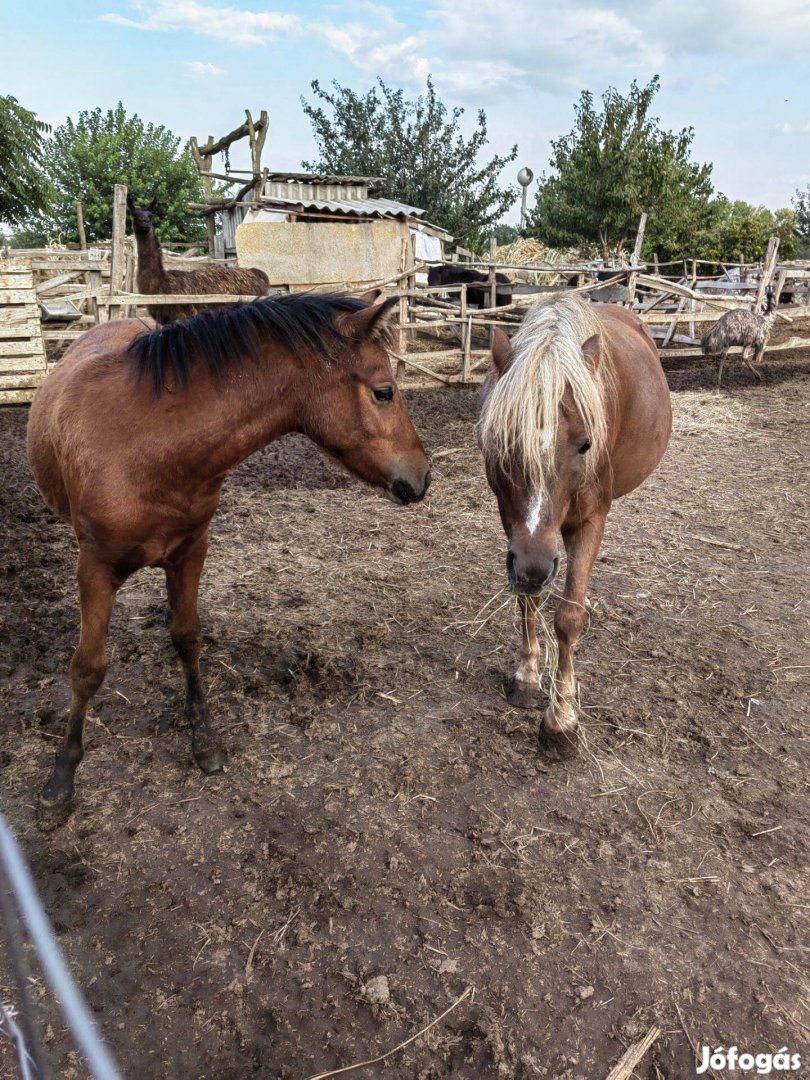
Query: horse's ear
{"x": 592, "y": 351}
{"x": 371, "y": 296}
{"x": 152, "y": 205}
{"x": 502, "y": 352}
{"x": 358, "y": 325}
{"x": 130, "y": 201}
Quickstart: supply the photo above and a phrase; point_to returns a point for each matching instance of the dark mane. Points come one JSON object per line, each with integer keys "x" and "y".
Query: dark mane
{"x": 222, "y": 339}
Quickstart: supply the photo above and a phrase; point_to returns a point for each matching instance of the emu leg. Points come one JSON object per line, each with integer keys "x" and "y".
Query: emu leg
{"x": 524, "y": 689}
{"x": 723, "y": 358}
{"x": 97, "y": 589}
{"x": 182, "y": 585}
{"x": 559, "y": 730}
{"x": 756, "y": 359}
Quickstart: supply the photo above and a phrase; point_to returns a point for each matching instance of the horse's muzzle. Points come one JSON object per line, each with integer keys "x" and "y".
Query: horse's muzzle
{"x": 530, "y": 576}
{"x": 403, "y": 492}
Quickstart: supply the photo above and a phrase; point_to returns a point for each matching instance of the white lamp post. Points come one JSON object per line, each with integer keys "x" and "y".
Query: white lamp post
{"x": 525, "y": 177}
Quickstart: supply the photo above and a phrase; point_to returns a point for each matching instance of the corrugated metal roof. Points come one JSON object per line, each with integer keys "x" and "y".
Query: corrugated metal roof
{"x": 322, "y": 178}
{"x": 382, "y": 208}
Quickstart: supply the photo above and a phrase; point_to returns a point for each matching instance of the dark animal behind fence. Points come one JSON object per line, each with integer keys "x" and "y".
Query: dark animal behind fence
{"x": 153, "y": 277}
{"x": 456, "y": 274}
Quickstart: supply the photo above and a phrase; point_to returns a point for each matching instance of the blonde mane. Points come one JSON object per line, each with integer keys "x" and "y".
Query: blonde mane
{"x": 520, "y": 418}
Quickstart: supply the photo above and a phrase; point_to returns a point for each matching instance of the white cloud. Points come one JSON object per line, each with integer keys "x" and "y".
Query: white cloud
{"x": 558, "y": 45}
{"x": 795, "y": 129}
{"x": 197, "y": 67}
{"x": 725, "y": 27}
{"x": 236, "y": 26}
{"x": 486, "y": 49}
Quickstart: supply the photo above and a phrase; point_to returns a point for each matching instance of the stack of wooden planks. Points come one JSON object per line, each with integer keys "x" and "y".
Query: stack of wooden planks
{"x": 22, "y": 351}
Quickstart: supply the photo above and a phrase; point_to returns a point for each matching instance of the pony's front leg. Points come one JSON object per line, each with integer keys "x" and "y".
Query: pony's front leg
{"x": 183, "y": 583}
{"x": 524, "y": 689}
{"x": 559, "y": 729}
{"x": 97, "y": 589}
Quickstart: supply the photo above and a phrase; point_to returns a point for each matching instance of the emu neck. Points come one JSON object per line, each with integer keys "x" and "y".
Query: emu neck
{"x": 151, "y": 272}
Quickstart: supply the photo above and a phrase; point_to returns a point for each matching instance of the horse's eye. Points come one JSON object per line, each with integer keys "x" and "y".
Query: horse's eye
{"x": 585, "y": 447}
{"x": 383, "y": 393}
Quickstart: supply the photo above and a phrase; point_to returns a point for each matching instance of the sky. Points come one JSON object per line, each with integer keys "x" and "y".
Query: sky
{"x": 737, "y": 71}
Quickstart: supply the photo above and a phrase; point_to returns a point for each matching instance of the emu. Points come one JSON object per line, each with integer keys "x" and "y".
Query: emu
{"x": 153, "y": 277}
{"x": 749, "y": 329}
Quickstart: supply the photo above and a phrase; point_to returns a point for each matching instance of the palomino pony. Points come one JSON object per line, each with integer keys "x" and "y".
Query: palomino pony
{"x": 131, "y": 438}
{"x": 576, "y": 412}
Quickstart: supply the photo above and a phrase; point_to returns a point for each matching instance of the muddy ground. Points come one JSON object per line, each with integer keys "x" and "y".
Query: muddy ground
{"x": 385, "y": 813}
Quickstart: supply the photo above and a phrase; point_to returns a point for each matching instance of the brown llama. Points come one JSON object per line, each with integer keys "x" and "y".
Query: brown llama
{"x": 153, "y": 277}
{"x": 749, "y": 329}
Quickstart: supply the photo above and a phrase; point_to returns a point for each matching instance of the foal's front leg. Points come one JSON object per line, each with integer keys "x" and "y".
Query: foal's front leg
{"x": 560, "y": 721}
{"x": 97, "y": 589}
{"x": 182, "y": 584}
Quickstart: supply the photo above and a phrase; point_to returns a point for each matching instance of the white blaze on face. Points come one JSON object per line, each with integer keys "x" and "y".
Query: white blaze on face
{"x": 535, "y": 506}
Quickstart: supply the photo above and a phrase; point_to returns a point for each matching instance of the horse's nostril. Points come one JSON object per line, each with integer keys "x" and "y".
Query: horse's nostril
{"x": 403, "y": 491}
{"x": 510, "y": 567}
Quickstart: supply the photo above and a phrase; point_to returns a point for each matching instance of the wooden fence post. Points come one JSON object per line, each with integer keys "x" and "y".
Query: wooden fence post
{"x": 780, "y": 284}
{"x": 466, "y": 335}
{"x": 493, "y": 282}
{"x": 80, "y": 224}
{"x": 642, "y": 224}
{"x": 119, "y": 239}
{"x": 402, "y": 336}
{"x": 767, "y": 270}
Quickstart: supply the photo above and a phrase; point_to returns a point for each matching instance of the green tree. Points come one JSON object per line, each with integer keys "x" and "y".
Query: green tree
{"x": 23, "y": 189}
{"x": 418, "y": 149}
{"x": 738, "y": 228}
{"x": 801, "y": 208}
{"x": 87, "y": 157}
{"x": 616, "y": 163}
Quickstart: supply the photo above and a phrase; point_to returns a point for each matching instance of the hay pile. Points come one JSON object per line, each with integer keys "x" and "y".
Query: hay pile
{"x": 529, "y": 252}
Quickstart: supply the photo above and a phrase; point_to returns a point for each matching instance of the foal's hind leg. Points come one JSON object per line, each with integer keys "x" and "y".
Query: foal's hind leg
{"x": 560, "y": 721}
{"x": 97, "y": 589}
{"x": 525, "y": 686}
{"x": 182, "y": 583}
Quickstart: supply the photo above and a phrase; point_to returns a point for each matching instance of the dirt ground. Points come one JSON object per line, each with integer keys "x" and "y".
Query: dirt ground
{"x": 385, "y": 813}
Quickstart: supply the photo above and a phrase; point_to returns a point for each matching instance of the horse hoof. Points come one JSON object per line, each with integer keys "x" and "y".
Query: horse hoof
{"x": 53, "y": 813}
{"x": 523, "y": 695}
{"x": 562, "y": 745}
{"x": 211, "y": 759}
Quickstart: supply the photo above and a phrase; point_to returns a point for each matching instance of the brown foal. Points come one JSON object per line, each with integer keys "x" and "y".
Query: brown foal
{"x": 131, "y": 438}
{"x": 576, "y": 413}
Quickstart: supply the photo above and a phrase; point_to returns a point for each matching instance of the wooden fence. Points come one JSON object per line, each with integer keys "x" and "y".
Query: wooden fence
{"x": 440, "y": 334}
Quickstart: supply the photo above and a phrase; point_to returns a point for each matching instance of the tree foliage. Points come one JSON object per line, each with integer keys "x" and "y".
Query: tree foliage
{"x": 23, "y": 188}
{"x": 616, "y": 163}
{"x": 739, "y": 229}
{"x": 418, "y": 148}
{"x": 87, "y": 157}
{"x": 801, "y": 208}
